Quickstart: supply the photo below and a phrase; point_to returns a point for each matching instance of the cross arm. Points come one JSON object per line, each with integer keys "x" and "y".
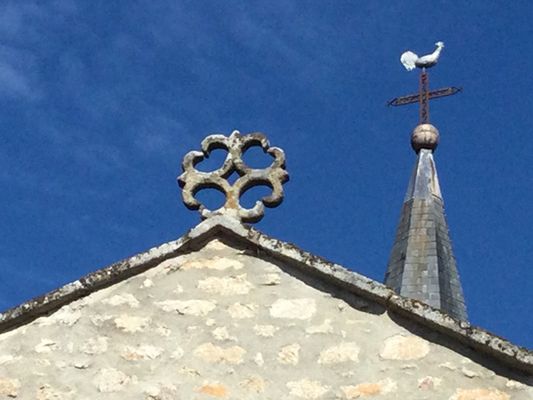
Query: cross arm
{"x": 414, "y": 98}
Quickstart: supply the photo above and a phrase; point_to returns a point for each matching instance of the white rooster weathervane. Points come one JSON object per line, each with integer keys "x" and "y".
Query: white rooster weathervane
{"x": 411, "y": 61}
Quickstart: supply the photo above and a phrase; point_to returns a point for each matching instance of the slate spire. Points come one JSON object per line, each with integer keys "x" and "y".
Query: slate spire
{"x": 422, "y": 265}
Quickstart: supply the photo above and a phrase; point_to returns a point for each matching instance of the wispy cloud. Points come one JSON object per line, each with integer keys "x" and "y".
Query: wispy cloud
{"x": 13, "y": 82}
{"x": 159, "y": 134}
{"x": 22, "y": 38}
{"x": 19, "y": 73}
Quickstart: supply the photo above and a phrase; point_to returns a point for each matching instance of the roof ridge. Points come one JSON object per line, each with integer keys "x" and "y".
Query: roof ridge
{"x": 486, "y": 342}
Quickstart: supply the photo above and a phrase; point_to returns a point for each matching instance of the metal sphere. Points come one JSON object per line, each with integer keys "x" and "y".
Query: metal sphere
{"x": 424, "y": 136}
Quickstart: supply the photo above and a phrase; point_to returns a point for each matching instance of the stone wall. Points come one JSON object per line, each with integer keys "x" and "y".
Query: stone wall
{"x": 224, "y": 323}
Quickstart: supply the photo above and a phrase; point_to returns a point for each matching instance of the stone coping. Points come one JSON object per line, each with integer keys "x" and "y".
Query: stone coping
{"x": 482, "y": 341}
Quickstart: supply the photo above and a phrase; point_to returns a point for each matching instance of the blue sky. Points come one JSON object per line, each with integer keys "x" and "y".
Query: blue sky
{"x": 100, "y": 100}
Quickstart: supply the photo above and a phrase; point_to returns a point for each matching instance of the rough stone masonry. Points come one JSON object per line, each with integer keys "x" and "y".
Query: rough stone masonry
{"x": 225, "y": 322}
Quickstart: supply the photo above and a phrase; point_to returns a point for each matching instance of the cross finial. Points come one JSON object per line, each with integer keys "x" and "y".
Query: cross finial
{"x": 192, "y": 180}
{"x": 425, "y": 135}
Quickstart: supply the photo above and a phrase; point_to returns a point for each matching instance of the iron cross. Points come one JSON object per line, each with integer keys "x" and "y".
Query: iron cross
{"x": 423, "y": 96}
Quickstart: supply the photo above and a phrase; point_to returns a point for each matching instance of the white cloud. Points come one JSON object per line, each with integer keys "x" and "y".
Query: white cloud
{"x": 13, "y": 82}
{"x": 24, "y": 36}
{"x": 159, "y": 134}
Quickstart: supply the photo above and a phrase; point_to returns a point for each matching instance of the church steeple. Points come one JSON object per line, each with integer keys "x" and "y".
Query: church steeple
{"x": 422, "y": 264}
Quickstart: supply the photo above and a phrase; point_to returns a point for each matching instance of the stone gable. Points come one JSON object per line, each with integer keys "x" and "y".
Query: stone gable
{"x": 227, "y": 321}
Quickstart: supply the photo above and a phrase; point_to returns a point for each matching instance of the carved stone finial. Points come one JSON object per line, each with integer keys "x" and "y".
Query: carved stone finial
{"x": 192, "y": 180}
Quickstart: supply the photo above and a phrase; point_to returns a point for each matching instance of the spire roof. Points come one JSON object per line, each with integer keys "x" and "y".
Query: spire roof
{"x": 422, "y": 265}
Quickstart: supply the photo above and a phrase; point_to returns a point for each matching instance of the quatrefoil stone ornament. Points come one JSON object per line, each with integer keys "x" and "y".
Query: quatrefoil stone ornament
{"x": 192, "y": 180}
